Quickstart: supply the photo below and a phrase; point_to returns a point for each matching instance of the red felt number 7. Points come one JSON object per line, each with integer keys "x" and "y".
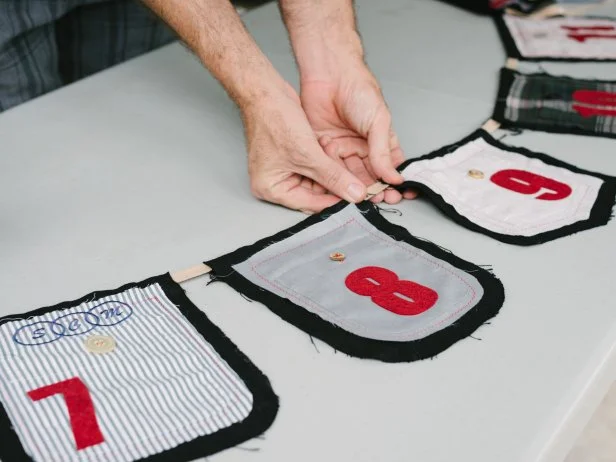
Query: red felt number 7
{"x": 82, "y": 416}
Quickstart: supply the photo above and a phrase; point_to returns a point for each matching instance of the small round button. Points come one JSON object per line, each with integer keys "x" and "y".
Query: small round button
{"x": 476, "y": 174}
{"x": 337, "y": 256}
{"x": 100, "y": 344}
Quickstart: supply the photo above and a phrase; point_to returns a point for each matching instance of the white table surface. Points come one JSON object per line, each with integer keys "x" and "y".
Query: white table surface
{"x": 141, "y": 169}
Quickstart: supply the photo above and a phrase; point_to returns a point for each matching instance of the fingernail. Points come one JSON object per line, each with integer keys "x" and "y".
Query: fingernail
{"x": 356, "y": 192}
{"x": 398, "y": 178}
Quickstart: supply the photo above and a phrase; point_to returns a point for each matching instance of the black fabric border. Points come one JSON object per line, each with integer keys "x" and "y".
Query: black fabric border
{"x": 265, "y": 401}
{"x": 507, "y": 77}
{"x": 513, "y": 52}
{"x": 600, "y": 214}
{"x": 342, "y": 340}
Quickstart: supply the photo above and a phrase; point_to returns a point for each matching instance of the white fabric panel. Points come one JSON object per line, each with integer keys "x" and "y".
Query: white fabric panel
{"x": 299, "y": 269}
{"x": 547, "y": 38}
{"x": 162, "y": 386}
{"x": 494, "y": 207}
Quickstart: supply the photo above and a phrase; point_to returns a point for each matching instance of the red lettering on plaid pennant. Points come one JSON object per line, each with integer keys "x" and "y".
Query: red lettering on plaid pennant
{"x": 581, "y": 33}
{"x": 590, "y": 103}
{"x": 524, "y": 182}
{"x": 405, "y": 298}
{"x": 81, "y": 413}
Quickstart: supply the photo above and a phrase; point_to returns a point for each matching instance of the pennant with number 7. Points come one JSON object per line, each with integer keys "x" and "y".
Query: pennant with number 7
{"x": 512, "y": 194}
{"x": 137, "y": 373}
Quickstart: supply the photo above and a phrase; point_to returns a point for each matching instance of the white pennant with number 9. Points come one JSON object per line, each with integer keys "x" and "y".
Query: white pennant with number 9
{"x": 507, "y": 192}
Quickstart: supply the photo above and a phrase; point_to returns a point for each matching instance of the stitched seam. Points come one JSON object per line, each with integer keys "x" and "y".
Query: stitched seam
{"x": 320, "y": 309}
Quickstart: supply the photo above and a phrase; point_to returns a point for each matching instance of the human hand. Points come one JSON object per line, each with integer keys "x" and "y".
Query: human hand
{"x": 286, "y": 164}
{"x": 348, "y": 113}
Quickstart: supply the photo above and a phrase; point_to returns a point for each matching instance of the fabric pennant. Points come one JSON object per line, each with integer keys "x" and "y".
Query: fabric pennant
{"x": 365, "y": 286}
{"x": 491, "y": 6}
{"x": 556, "y": 104}
{"x": 558, "y": 38}
{"x": 137, "y": 373}
{"x": 512, "y": 194}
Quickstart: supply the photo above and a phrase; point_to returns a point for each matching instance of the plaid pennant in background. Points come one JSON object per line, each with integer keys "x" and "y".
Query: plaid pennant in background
{"x": 489, "y": 6}
{"x": 556, "y": 104}
{"x": 522, "y": 6}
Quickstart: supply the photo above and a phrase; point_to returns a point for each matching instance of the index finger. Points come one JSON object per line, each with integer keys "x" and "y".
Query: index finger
{"x": 380, "y": 151}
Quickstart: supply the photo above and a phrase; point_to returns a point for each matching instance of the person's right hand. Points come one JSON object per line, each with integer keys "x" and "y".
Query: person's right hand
{"x": 287, "y": 166}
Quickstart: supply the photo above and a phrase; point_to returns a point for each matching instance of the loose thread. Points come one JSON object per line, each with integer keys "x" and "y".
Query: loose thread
{"x": 444, "y": 249}
{"x": 248, "y": 449}
{"x": 476, "y": 338}
{"x": 391, "y": 210}
{"x": 212, "y": 279}
{"x": 314, "y": 344}
{"x": 511, "y": 132}
{"x": 246, "y": 298}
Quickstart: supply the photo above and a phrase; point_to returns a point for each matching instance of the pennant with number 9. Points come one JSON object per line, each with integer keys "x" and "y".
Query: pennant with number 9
{"x": 511, "y": 194}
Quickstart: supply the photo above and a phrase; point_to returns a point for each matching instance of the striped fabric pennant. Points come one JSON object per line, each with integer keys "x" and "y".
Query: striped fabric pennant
{"x": 138, "y": 373}
{"x": 559, "y": 38}
{"x": 365, "y": 286}
{"x": 556, "y": 104}
{"x": 511, "y": 194}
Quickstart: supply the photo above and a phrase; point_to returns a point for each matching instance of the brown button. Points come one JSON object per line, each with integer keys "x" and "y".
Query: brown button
{"x": 100, "y": 344}
{"x": 337, "y": 256}
{"x": 477, "y": 174}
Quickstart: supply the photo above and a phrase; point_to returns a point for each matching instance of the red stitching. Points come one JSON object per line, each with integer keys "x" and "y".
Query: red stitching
{"x": 313, "y": 304}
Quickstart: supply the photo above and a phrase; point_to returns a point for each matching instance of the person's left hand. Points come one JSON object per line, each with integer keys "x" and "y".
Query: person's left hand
{"x": 353, "y": 124}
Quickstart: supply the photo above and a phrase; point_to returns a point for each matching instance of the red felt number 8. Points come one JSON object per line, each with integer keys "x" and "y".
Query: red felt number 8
{"x": 406, "y": 298}
{"x": 524, "y": 182}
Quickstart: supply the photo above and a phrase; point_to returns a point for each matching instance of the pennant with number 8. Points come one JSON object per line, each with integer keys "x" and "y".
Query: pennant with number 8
{"x": 511, "y": 194}
{"x": 138, "y": 373}
{"x": 363, "y": 285}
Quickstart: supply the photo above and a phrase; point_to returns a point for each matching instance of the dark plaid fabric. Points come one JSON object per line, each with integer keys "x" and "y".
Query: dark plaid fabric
{"x": 523, "y": 6}
{"x": 45, "y": 44}
{"x": 556, "y": 104}
{"x": 488, "y": 6}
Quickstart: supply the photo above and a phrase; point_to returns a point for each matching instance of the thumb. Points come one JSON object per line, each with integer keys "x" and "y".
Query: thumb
{"x": 336, "y": 179}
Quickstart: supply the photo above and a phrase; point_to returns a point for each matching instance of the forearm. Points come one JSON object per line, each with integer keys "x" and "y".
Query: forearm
{"x": 214, "y": 31}
{"x": 323, "y": 34}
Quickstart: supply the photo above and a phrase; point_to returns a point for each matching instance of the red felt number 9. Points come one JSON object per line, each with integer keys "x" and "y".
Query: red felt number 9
{"x": 406, "y": 298}
{"x": 524, "y": 182}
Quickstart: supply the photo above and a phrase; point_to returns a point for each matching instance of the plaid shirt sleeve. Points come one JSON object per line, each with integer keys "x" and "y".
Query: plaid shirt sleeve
{"x": 45, "y": 44}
